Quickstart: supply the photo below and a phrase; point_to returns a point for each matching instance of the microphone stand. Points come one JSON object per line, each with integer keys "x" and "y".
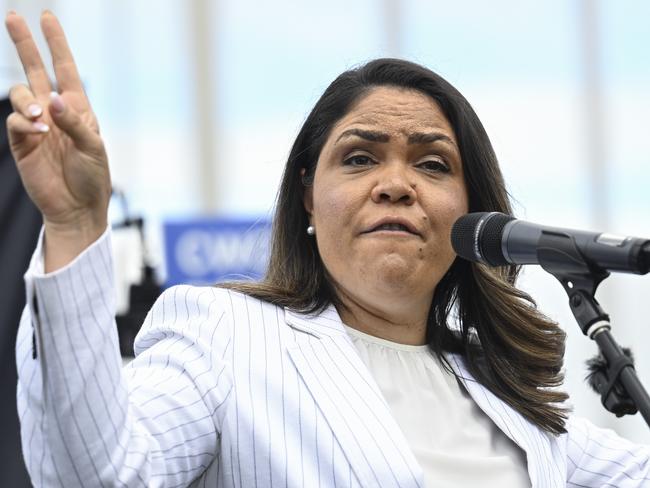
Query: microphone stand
{"x": 622, "y": 392}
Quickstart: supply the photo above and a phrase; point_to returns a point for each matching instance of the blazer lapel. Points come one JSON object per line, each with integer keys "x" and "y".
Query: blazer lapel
{"x": 545, "y": 464}
{"x": 351, "y": 401}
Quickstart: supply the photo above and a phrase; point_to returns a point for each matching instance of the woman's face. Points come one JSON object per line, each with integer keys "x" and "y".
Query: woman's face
{"x": 387, "y": 188}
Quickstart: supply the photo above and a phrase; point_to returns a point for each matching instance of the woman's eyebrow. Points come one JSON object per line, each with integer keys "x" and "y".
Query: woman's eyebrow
{"x": 369, "y": 135}
{"x": 429, "y": 137}
{"x": 414, "y": 138}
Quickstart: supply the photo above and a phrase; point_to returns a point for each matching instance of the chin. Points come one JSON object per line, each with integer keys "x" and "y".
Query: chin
{"x": 395, "y": 271}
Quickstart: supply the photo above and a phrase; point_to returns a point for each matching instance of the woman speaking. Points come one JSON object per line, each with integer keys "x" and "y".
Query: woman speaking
{"x": 369, "y": 355}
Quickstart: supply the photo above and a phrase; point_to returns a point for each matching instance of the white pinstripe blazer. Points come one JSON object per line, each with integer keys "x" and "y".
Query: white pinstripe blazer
{"x": 230, "y": 391}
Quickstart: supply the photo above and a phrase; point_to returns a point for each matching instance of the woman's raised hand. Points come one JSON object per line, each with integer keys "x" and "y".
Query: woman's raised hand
{"x": 54, "y": 138}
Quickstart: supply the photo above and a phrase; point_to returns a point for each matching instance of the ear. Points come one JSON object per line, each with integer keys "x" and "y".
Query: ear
{"x": 307, "y": 196}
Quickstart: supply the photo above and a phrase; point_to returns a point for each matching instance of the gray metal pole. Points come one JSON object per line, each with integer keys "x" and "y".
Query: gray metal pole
{"x": 207, "y": 132}
{"x": 596, "y": 147}
{"x": 392, "y": 16}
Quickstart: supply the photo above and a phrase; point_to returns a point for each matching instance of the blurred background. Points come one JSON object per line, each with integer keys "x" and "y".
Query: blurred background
{"x": 199, "y": 102}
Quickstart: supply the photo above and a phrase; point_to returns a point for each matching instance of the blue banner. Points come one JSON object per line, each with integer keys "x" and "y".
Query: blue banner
{"x": 206, "y": 251}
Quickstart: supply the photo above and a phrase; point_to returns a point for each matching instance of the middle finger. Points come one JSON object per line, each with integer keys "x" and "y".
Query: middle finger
{"x": 65, "y": 69}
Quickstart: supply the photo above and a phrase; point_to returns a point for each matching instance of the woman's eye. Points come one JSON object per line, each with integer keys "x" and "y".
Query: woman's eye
{"x": 434, "y": 165}
{"x": 358, "y": 161}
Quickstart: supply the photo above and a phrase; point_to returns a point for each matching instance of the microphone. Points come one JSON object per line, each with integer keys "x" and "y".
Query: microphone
{"x": 496, "y": 239}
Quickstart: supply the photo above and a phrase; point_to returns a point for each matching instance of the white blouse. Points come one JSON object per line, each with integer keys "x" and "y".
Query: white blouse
{"x": 456, "y": 444}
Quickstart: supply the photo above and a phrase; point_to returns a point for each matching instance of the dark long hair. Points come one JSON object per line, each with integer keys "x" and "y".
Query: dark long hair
{"x": 519, "y": 351}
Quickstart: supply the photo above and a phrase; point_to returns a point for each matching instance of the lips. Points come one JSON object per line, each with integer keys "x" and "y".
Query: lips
{"x": 393, "y": 224}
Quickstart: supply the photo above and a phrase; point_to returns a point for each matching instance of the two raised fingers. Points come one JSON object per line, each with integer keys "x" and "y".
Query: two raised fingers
{"x": 30, "y": 102}
{"x": 65, "y": 70}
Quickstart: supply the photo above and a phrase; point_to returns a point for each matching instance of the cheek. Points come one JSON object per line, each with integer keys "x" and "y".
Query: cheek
{"x": 457, "y": 204}
{"x": 443, "y": 213}
{"x": 335, "y": 207}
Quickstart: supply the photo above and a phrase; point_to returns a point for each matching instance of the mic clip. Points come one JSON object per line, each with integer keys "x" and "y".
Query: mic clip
{"x": 603, "y": 378}
{"x": 559, "y": 255}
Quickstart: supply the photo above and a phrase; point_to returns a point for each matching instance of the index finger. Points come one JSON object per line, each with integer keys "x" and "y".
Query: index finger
{"x": 28, "y": 53}
{"x": 65, "y": 69}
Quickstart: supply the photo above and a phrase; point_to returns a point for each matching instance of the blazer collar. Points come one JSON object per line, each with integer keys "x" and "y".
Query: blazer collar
{"x": 546, "y": 465}
{"x": 325, "y": 324}
{"x": 351, "y": 402}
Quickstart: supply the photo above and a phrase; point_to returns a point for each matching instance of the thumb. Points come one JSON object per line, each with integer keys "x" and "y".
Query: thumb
{"x": 69, "y": 122}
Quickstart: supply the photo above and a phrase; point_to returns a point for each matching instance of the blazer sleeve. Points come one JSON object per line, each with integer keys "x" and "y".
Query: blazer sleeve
{"x": 599, "y": 457}
{"x": 87, "y": 422}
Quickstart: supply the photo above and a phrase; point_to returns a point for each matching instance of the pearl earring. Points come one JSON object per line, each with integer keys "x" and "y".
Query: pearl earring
{"x": 311, "y": 230}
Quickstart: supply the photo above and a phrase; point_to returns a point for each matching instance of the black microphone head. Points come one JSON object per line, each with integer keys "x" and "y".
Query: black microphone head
{"x": 477, "y": 236}
{"x": 462, "y": 235}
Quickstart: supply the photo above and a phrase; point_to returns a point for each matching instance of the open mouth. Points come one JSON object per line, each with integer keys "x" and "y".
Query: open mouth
{"x": 396, "y": 227}
{"x": 393, "y": 227}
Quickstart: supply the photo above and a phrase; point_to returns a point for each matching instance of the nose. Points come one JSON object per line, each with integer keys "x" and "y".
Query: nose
{"x": 393, "y": 186}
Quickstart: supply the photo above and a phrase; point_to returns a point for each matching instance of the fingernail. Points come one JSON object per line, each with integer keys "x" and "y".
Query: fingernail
{"x": 57, "y": 102}
{"x": 35, "y": 110}
{"x": 41, "y": 127}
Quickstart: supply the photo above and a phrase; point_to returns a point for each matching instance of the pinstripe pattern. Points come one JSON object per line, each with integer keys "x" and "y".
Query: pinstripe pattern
{"x": 230, "y": 391}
